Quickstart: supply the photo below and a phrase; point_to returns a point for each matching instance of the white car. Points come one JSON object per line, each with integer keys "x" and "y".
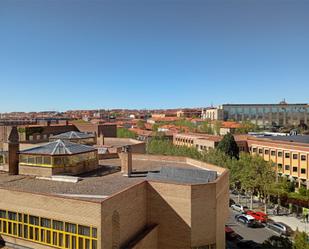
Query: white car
{"x": 239, "y": 208}
{"x": 247, "y": 220}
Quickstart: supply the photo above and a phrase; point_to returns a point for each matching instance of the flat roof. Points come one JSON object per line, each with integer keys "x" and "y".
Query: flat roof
{"x": 94, "y": 186}
{"x": 293, "y": 138}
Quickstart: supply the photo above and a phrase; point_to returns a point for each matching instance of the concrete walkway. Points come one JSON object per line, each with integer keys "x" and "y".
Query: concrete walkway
{"x": 293, "y": 222}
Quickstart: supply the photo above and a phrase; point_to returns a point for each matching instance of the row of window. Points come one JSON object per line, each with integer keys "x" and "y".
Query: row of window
{"x": 47, "y": 231}
{"x": 294, "y": 168}
{"x": 57, "y": 161}
{"x": 184, "y": 140}
{"x": 279, "y": 154}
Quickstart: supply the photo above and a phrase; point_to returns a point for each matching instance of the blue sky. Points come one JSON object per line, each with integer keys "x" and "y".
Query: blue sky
{"x": 61, "y": 54}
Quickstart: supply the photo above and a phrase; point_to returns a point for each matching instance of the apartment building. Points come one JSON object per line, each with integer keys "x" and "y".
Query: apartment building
{"x": 204, "y": 142}
{"x": 290, "y": 155}
{"x": 134, "y": 201}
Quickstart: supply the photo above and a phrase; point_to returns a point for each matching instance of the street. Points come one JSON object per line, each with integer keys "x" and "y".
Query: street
{"x": 255, "y": 234}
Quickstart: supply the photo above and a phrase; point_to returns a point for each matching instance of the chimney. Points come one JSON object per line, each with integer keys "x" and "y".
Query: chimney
{"x": 100, "y": 139}
{"x": 13, "y": 151}
{"x": 126, "y": 160}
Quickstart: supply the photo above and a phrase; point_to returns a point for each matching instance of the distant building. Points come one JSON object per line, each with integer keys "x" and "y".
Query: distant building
{"x": 204, "y": 142}
{"x": 263, "y": 115}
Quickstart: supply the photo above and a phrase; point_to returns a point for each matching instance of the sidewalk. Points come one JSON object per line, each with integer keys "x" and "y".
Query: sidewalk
{"x": 291, "y": 221}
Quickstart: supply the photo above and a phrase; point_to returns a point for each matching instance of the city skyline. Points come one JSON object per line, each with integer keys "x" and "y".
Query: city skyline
{"x": 157, "y": 54}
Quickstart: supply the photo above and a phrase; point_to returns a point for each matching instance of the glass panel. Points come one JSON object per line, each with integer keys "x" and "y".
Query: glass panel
{"x": 58, "y": 225}
{"x": 83, "y": 230}
{"x": 69, "y": 227}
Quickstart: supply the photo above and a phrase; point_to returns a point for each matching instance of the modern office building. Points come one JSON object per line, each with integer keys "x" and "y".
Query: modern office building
{"x": 263, "y": 115}
{"x": 290, "y": 155}
{"x": 135, "y": 201}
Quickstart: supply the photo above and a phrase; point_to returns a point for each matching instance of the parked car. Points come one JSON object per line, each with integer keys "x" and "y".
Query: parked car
{"x": 280, "y": 228}
{"x": 231, "y": 235}
{"x": 258, "y": 216}
{"x": 249, "y": 244}
{"x": 246, "y": 219}
{"x": 239, "y": 208}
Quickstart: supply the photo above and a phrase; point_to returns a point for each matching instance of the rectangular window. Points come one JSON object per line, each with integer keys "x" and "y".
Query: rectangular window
{"x": 303, "y": 157}
{"x": 260, "y": 151}
{"x": 84, "y": 230}
{"x": 279, "y": 166}
{"x": 273, "y": 153}
{"x": 287, "y": 167}
{"x": 266, "y": 152}
{"x": 45, "y": 223}
{"x": 294, "y": 169}
{"x": 34, "y": 220}
{"x": 58, "y": 225}
{"x": 295, "y": 156}
{"x": 69, "y": 227}
{"x": 303, "y": 171}
{"x": 279, "y": 154}
{"x": 287, "y": 155}
{"x": 46, "y": 160}
{"x": 254, "y": 149}
{"x": 3, "y": 214}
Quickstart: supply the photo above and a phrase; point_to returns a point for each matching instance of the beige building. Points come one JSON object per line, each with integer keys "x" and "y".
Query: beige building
{"x": 213, "y": 114}
{"x": 290, "y": 155}
{"x": 203, "y": 142}
{"x": 137, "y": 201}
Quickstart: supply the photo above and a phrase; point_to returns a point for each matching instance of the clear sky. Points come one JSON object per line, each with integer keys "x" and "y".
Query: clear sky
{"x": 65, "y": 54}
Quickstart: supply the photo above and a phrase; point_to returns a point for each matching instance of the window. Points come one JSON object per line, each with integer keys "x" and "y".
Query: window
{"x": 279, "y": 166}
{"x": 287, "y": 155}
{"x": 273, "y": 153}
{"x": 38, "y": 229}
{"x": 279, "y": 154}
{"x": 295, "y": 169}
{"x": 260, "y": 151}
{"x": 295, "y": 156}
{"x": 254, "y": 149}
{"x": 266, "y": 152}
{"x": 303, "y": 157}
{"x": 287, "y": 167}
{"x": 303, "y": 171}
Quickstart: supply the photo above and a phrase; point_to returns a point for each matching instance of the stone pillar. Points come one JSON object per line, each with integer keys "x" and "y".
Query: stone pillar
{"x": 126, "y": 160}
{"x": 13, "y": 151}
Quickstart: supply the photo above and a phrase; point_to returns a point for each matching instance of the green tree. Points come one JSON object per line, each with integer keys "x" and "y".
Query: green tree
{"x": 229, "y": 146}
{"x": 140, "y": 124}
{"x": 125, "y": 133}
{"x": 216, "y": 127}
{"x": 246, "y": 127}
{"x": 300, "y": 240}
{"x": 277, "y": 242}
{"x": 205, "y": 127}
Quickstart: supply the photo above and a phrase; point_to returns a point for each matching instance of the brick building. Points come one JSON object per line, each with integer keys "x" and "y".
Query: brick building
{"x": 134, "y": 201}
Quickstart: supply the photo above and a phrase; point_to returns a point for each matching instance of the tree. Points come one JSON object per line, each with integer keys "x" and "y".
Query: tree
{"x": 246, "y": 127}
{"x": 277, "y": 242}
{"x": 300, "y": 240}
{"x": 140, "y": 124}
{"x": 125, "y": 133}
{"x": 205, "y": 127}
{"x": 216, "y": 127}
{"x": 229, "y": 146}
